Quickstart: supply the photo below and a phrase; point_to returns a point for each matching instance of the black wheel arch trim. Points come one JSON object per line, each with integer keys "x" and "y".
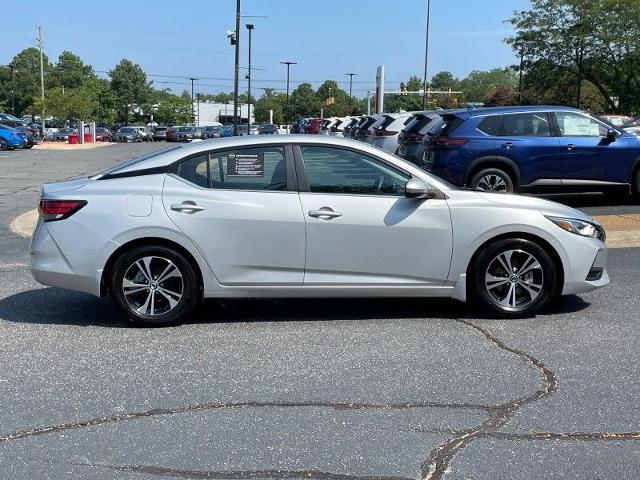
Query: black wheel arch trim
{"x": 495, "y": 159}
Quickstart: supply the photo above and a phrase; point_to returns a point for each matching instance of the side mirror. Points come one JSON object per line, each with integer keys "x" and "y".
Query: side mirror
{"x": 418, "y": 189}
{"x": 612, "y": 134}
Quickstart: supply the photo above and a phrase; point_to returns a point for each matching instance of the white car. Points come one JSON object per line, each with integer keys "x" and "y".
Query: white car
{"x": 385, "y": 134}
{"x": 303, "y": 216}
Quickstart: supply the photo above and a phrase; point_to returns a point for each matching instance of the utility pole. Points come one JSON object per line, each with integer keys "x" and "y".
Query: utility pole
{"x": 13, "y": 90}
{"x": 426, "y": 57}
{"x": 350, "y": 85}
{"x": 237, "y": 71}
{"x": 520, "y": 79}
{"x": 193, "y": 115}
{"x": 198, "y": 98}
{"x": 39, "y": 40}
{"x": 250, "y": 28}
{"x": 288, "y": 64}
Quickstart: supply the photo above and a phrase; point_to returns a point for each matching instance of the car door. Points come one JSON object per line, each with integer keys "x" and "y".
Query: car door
{"x": 527, "y": 139}
{"x": 240, "y": 207}
{"x": 361, "y": 229}
{"x": 587, "y": 154}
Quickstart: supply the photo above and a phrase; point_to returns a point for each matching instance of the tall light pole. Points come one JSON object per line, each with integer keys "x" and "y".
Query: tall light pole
{"x": 193, "y": 115}
{"x": 426, "y": 57}
{"x": 39, "y": 40}
{"x": 350, "y": 85}
{"x": 13, "y": 90}
{"x": 250, "y": 28}
{"x": 237, "y": 71}
{"x": 520, "y": 79}
{"x": 288, "y": 64}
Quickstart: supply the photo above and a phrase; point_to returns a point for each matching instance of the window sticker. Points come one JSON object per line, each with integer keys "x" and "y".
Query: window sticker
{"x": 245, "y": 165}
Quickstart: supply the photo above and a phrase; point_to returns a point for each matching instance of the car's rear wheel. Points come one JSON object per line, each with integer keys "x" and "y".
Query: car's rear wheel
{"x": 154, "y": 286}
{"x": 635, "y": 188}
{"x": 492, "y": 180}
{"x": 513, "y": 277}
{"x": 3, "y": 145}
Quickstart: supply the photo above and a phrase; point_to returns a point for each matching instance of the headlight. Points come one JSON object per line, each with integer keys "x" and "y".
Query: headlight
{"x": 579, "y": 227}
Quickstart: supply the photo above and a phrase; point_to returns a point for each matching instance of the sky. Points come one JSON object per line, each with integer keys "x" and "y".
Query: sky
{"x": 328, "y": 38}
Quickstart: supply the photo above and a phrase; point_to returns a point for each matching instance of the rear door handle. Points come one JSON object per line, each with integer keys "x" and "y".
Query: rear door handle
{"x": 187, "y": 206}
{"x": 570, "y": 147}
{"x": 324, "y": 212}
{"x": 508, "y": 145}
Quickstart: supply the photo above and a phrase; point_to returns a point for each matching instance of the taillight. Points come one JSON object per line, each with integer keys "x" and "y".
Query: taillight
{"x": 51, "y": 210}
{"x": 413, "y": 137}
{"x": 447, "y": 141}
{"x": 381, "y": 132}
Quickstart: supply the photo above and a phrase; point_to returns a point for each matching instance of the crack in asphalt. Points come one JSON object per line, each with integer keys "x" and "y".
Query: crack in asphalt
{"x": 580, "y": 436}
{"x": 440, "y": 457}
{"x": 216, "y": 406}
{"x": 242, "y": 474}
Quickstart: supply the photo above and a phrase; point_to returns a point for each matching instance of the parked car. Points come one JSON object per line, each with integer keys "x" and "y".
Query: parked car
{"x": 616, "y": 120}
{"x": 346, "y": 128}
{"x": 103, "y": 134}
{"x": 13, "y": 123}
{"x": 128, "y": 134}
{"x": 146, "y": 135}
{"x": 385, "y": 134}
{"x": 227, "y": 130}
{"x": 254, "y": 129}
{"x": 160, "y": 134}
{"x": 312, "y": 128}
{"x": 362, "y": 133}
{"x": 183, "y": 133}
{"x": 410, "y": 138}
{"x": 205, "y": 235}
{"x": 11, "y": 138}
{"x": 62, "y": 135}
{"x": 512, "y": 149}
{"x": 242, "y": 130}
{"x": 354, "y": 129}
{"x": 268, "y": 129}
{"x": 212, "y": 131}
{"x": 337, "y": 128}
{"x": 32, "y": 137}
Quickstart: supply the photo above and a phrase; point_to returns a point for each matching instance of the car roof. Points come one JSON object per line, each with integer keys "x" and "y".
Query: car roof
{"x": 483, "y": 111}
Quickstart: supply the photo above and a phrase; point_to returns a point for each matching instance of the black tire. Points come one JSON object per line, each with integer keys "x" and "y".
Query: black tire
{"x": 635, "y": 185}
{"x": 187, "y": 284}
{"x": 3, "y": 145}
{"x": 28, "y": 146}
{"x": 489, "y": 291}
{"x": 487, "y": 178}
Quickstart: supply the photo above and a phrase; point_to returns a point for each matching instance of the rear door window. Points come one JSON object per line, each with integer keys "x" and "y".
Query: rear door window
{"x": 534, "y": 124}
{"x": 490, "y": 125}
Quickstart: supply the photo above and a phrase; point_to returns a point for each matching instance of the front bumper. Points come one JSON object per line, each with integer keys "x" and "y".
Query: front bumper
{"x": 588, "y": 270}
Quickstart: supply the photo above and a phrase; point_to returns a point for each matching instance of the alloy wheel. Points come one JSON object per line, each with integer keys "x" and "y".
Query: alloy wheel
{"x": 514, "y": 279}
{"x": 492, "y": 183}
{"x": 152, "y": 286}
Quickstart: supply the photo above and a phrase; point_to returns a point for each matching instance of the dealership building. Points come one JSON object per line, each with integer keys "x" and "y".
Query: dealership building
{"x": 211, "y": 113}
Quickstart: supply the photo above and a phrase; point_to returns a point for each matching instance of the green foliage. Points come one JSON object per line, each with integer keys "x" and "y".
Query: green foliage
{"x": 478, "y": 84}
{"x": 270, "y": 101}
{"x": 170, "y": 109}
{"x": 578, "y": 40}
{"x": 130, "y": 86}
{"x": 70, "y": 71}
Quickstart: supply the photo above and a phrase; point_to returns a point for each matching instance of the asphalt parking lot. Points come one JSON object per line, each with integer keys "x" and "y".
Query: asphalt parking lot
{"x": 329, "y": 390}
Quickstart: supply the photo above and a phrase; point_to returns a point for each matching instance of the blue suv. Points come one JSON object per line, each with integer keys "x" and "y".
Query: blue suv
{"x": 511, "y": 149}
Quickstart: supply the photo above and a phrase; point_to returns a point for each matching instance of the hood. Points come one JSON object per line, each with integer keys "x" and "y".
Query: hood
{"x": 526, "y": 202}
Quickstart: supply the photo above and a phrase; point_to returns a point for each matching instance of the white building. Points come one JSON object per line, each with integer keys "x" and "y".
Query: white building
{"x": 210, "y": 113}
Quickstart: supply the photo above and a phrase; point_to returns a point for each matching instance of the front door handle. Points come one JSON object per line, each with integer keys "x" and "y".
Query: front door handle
{"x": 570, "y": 147}
{"x": 508, "y": 145}
{"x": 187, "y": 206}
{"x": 325, "y": 212}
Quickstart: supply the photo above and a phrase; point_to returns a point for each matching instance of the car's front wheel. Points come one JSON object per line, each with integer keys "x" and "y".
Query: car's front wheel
{"x": 154, "y": 286}
{"x": 492, "y": 180}
{"x": 513, "y": 277}
{"x": 3, "y": 144}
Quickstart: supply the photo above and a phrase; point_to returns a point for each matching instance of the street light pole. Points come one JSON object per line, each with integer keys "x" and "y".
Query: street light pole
{"x": 426, "y": 57}
{"x": 350, "y": 85}
{"x": 520, "y": 79}
{"x": 288, "y": 64}
{"x": 193, "y": 115}
{"x": 237, "y": 71}
{"x": 41, "y": 74}
{"x": 13, "y": 90}
{"x": 250, "y": 27}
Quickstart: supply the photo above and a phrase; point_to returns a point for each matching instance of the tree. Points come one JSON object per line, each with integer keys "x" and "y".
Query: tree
{"x": 444, "y": 81}
{"x": 170, "y": 109}
{"x": 501, "y": 96}
{"x": 330, "y": 89}
{"x": 26, "y": 77}
{"x": 70, "y": 71}
{"x": 592, "y": 40}
{"x": 304, "y": 101}
{"x": 270, "y": 101}
{"x": 478, "y": 83}
{"x": 130, "y": 87}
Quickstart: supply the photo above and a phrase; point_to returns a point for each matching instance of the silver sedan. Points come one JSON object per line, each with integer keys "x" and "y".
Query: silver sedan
{"x": 303, "y": 216}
